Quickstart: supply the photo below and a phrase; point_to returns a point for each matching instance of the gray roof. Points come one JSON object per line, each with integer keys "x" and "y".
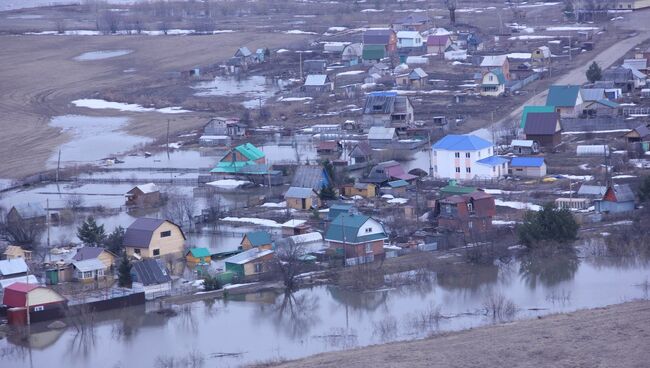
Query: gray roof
{"x": 14, "y": 266}
{"x": 541, "y": 123}
{"x": 617, "y": 75}
{"x": 635, "y": 71}
{"x": 298, "y": 192}
{"x": 381, "y": 133}
{"x": 316, "y": 80}
{"x": 248, "y": 256}
{"x": 361, "y": 149}
{"x": 139, "y": 234}
{"x": 88, "y": 265}
{"x": 309, "y": 176}
{"x": 592, "y": 94}
{"x": 643, "y": 130}
{"x": 623, "y": 193}
{"x": 592, "y": 190}
{"x": 491, "y": 61}
{"x": 638, "y": 64}
{"x": 418, "y": 73}
{"x": 30, "y": 210}
{"x": 243, "y": 51}
{"x": 385, "y": 104}
{"x": 377, "y": 36}
{"x": 87, "y": 253}
{"x": 149, "y": 272}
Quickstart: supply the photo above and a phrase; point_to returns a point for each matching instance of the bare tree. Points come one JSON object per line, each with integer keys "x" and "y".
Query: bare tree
{"x": 288, "y": 261}
{"x": 180, "y": 209}
{"x": 60, "y": 26}
{"x": 108, "y": 22}
{"x": 20, "y": 231}
{"x": 74, "y": 202}
{"x": 451, "y": 6}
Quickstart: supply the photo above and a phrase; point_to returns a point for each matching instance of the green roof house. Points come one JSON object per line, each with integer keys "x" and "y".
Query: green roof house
{"x": 567, "y": 99}
{"x": 373, "y": 52}
{"x": 493, "y": 83}
{"x": 256, "y": 239}
{"x": 357, "y": 238}
{"x": 529, "y": 109}
{"x": 198, "y": 255}
{"x": 239, "y": 159}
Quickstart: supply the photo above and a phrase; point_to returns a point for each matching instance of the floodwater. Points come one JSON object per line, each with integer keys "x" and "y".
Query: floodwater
{"x": 265, "y": 326}
{"x": 101, "y": 55}
{"x": 22, "y": 4}
{"x": 92, "y": 139}
{"x": 256, "y": 88}
{"x": 298, "y": 151}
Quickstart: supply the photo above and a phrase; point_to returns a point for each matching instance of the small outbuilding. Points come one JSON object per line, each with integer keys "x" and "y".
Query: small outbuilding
{"x": 256, "y": 239}
{"x": 143, "y": 195}
{"x": 544, "y": 127}
{"x": 618, "y": 198}
{"x": 528, "y": 167}
{"x": 153, "y": 278}
{"x": 198, "y": 255}
{"x": 301, "y": 198}
{"x": 42, "y": 302}
{"x": 250, "y": 263}
{"x": 88, "y": 270}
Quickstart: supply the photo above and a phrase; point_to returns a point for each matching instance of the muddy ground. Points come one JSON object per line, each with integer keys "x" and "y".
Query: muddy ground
{"x": 614, "y": 336}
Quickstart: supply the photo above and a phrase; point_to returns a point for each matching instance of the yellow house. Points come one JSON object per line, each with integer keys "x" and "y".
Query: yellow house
{"x": 14, "y": 251}
{"x": 103, "y": 255}
{"x": 256, "y": 239}
{"x": 198, "y": 255}
{"x": 150, "y": 238}
{"x": 302, "y": 198}
{"x": 366, "y": 190}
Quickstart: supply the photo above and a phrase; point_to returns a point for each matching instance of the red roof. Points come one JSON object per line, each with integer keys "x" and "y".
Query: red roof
{"x": 437, "y": 40}
{"x": 15, "y": 294}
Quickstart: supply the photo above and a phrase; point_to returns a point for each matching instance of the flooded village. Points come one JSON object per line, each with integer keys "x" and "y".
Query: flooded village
{"x": 220, "y": 183}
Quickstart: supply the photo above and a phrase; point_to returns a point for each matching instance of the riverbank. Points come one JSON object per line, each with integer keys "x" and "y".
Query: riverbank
{"x": 604, "y": 337}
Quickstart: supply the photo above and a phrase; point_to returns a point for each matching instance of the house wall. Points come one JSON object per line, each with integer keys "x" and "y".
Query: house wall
{"x": 107, "y": 259}
{"x": 235, "y": 268}
{"x": 142, "y": 199}
{"x": 168, "y": 245}
{"x": 445, "y": 164}
{"x": 157, "y": 290}
{"x": 299, "y": 204}
{"x": 548, "y": 141}
{"x": 471, "y": 225}
{"x": 191, "y": 259}
{"x": 529, "y": 171}
{"x": 249, "y": 268}
{"x": 614, "y": 207}
{"x": 246, "y": 244}
{"x": 41, "y": 296}
{"x": 370, "y": 227}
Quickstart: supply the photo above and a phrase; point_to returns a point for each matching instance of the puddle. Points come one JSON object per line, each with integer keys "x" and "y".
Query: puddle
{"x": 255, "y": 88}
{"x": 92, "y": 138}
{"x": 101, "y": 55}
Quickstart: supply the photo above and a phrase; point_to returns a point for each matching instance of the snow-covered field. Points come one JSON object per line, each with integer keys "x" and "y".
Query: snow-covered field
{"x": 92, "y": 103}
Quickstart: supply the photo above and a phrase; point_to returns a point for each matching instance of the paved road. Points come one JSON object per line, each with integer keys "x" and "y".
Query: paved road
{"x": 633, "y": 21}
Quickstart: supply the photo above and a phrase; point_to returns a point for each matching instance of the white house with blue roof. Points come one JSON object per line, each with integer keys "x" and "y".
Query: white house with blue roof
{"x": 467, "y": 157}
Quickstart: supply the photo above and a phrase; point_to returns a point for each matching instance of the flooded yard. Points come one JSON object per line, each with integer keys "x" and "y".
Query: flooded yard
{"x": 265, "y": 326}
{"x": 257, "y": 89}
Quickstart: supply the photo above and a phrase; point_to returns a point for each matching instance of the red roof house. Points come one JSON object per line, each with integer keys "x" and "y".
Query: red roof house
{"x": 469, "y": 213}
{"x": 36, "y": 297}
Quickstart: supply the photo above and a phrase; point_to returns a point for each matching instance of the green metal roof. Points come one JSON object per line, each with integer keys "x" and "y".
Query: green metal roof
{"x": 373, "y": 52}
{"x": 231, "y": 167}
{"x": 457, "y": 189}
{"x": 258, "y": 238}
{"x": 501, "y": 79}
{"x": 250, "y": 151}
{"x": 562, "y": 95}
{"x": 608, "y": 103}
{"x": 199, "y": 252}
{"x": 398, "y": 183}
{"x": 345, "y": 227}
{"x": 528, "y": 109}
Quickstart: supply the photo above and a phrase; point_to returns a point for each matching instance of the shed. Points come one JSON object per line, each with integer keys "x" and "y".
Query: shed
{"x": 198, "y": 255}
{"x": 379, "y": 137}
{"x": 15, "y": 267}
{"x": 618, "y": 198}
{"x": 301, "y": 198}
{"x": 339, "y": 208}
{"x": 529, "y": 109}
{"x": 143, "y": 195}
{"x": 311, "y": 176}
{"x": 256, "y": 239}
{"x": 528, "y": 167}
{"x": 544, "y": 127}
{"x": 15, "y": 251}
{"x": 149, "y": 275}
{"x": 524, "y": 147}
{"x": 43, "y": 302}
{"x": 252, "y": 262}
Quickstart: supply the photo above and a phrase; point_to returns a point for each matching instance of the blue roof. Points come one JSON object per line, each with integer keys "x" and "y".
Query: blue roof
{"x": 492, "y": 161}
{"x": 384, "y": 94}
{"x": 562, "y": 95}
{"x": 464, "y": 142}
{"x": 527, "y": 161}
{"x": 258, "y": 238}
{"x": 608, "y": 103}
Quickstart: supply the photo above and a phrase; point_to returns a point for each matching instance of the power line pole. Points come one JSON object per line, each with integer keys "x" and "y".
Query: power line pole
{"x": 167, "y": 139}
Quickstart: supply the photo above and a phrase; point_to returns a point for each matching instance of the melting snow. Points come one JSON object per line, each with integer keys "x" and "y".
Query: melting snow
{"x": 92, "y": 103}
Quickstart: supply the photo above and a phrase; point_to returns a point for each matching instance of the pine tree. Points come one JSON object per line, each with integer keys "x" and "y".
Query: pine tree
{"x": 124, "y": 273}
{"x": 90, "y": 233}
{"x": 644, "y": 189}
{"x": 550, "y": 224}
{"x": 114, "y": 240}
{"x": 594, "y": 73}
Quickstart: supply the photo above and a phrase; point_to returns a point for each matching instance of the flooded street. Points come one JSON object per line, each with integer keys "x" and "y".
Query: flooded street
{"x": 264, "y": 326}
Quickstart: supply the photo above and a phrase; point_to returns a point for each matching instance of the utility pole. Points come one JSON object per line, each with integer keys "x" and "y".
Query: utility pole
{"x": 58, "y": 166}
{"x": 300, "y": 53}
{"x": 47, "y": 222}
{"x": 430, "y": 153}
{"x": 167, "y": 139}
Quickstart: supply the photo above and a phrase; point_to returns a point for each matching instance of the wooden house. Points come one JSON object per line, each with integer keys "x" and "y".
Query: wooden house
{"x": 544, "y": 127}
{"x": 150, "y": 238}
{"x": 601, "y": 108}
{"x": 566, "y": 99}
{"x": 107, "y": 258}
{"x": 198, "y": 255}
{"x": 357, "y": 239}
{"x": 617, "y": 198}
{"x": 500, "y": 62}
{"x": 311, "y": 176}
{"x": 381, "y": 137}
{"x": 352, "y": 53}
{"x": 34, "y": 213}
{"x": 250, "y": 263}
{"x": 295, "y": 227}
{"x": 412, "y": 22}
{"x": 417, "y": 78}
{"x": 15, "y": 251}
{"x": 384, "y": 37}
{"x": 15, "y": 270}
{"x": 387, "y": 109}
{"x": 316, "y": 84}
{"x": 360, "y": 154}
{"x": 256, "y": 239}
{"x": 438, "y": 44}
{"x": 339, "y": 208}
{"x": 524, "y": 147}
{"x": 493, "y": 83}
{"x": 541, "y": 55}
{"x": 301, "y": 198}
{"x": 240, "y": 158}
{"x": 88, "y": 270}
{"x": 365, "y": 190}
{"x": 144, "y": 195}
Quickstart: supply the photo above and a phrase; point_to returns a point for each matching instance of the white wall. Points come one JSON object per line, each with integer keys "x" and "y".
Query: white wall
{"x": 445, "y": 163}
{"x": 371, "y": 227}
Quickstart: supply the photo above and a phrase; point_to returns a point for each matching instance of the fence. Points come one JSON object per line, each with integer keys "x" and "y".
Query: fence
{"x": 522, "y": 83}
{"x": 597, "y": 124}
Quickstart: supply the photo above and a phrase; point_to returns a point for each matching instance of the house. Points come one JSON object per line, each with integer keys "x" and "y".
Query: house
{"x": 339, "y": 208}
{"x": 152, "y": 278}
{"x": 622, "y": 78}
{"x": 318, "y": 84}
{"x": 149, "y": 237}
{"x": 409, "y": 40}
{"x": 640, "y": 64}
{"x": 566, "y": 99}
{"x": 412, "y": 22}
{"x": 541, "y": 55}
{"x": 295, "y": 227}
{"x": 239, "y": 159}
{"x": 314, "y": 66}
{"x": 396, "y": 187}
{"x": 500, "y": 62}
{"x": 85, "y": 253}
{"x": 438, "y": 44}
{"x": 638, "y": 77}
{"x": 418, "y": 78}
{"x": 493, "y": 83}
{"x": 387, "y": 109}
{"x": 469, "y": 40}
{"x": 34, "y": 213}
{"x": 88, "y": 270}
{"x": 250, "y": 263}
{"x": 42, "y": 302}
{"x": 311, "y": 176}
{"x": 352, "y": 54}
{"x": 144, "y": 195}
{"x": 385, "y": 37}
{"x": 302, "y": 198}
{"x": 470, "y": 213}
{"x": 387, "y": 171}
{"x": 380, "y": 137}
{"x": 592, "y": 94}
{"x": 12, "y": 268}
{"x": 261, "y": 54}
{"x": 602, "y": 107}
{"x": 219, "y": 126}
{"x": 357, "y": 238}
{"x": 328, "y": 148}
{"x": 528, "y": 109}
{"x": 242, "y": 58}
{"x": 15, "y": 251}
{"x": 373, "y": 53}
{"x": 365, "y": 190}
{"x": 198, "y": 255}
{"x": 467, "y": 157}
{"x": 544, "y": 127}
{"x": 524, "y": 147}
{"x": 639, "y": 134}
{"x": 617, "y": 198}
{"x": 256, "y": 239}
{"x": 528, "y": 167}
{"x": 360, "y": 154}
{"x": 592, "y": 192}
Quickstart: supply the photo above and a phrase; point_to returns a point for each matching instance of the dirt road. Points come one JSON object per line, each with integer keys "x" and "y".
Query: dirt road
{"x": 614, "y": 336}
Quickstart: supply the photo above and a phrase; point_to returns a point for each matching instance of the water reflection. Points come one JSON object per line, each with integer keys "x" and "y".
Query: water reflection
{"x": 548, "y": 267}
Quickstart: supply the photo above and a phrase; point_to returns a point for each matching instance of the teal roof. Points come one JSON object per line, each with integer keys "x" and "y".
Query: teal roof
{"x": 249, "y": 151}
{"x": 457, "y": 189}
{"x": 373, "y": 52}
{"x": 562, "y": 95}
{"x": 528, "y": 109}
{"x": 608, "y": 103}
{"x": 501, "y": 79}
{"x": 231, "y": 167}
{"x": 199, "y": 252}
{"x": 258, "y": 238}
{"x": 398, "y": 183}
{"x": 345, "y": 227}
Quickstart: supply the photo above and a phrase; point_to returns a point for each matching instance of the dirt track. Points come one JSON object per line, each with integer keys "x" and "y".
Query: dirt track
{"x": 615, "y": 336}
{"x": 39, "y": 78}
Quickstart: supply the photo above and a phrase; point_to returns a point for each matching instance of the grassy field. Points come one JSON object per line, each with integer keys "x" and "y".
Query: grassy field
{"x": 39, "y": 78}
{"x": 614, "y": 336}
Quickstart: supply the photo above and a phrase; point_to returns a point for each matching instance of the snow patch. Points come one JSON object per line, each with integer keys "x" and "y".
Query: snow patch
{"x": 92, "y": 103}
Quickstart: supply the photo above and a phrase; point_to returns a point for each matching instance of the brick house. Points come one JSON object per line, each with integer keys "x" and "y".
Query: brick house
{"x": 358, "y": 238}
{"x": 468, "y": 213}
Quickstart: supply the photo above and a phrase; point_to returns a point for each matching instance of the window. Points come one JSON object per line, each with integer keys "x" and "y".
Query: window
{"x": 136, "y": 251}
{"x": 457, "y": 154}
{"x": 100, "y": 273}
{"x": 470, "y": 207}
{"x": 470, "y": 224}
{"x": 489, "y": 151}
{"x": 156, "y": 252}
{"x": 468, "y": 170}
{"x": 494, "y": 169}
{"x": 164, "y": 234}
{"x": 448, "y": 208}
{"x": 458, "y": 169}
{"x": 479, "y": 154}
{"x": 491, "y": 78}
{"x": 468, "y": 154}
{"x": 258, "y": 267}
{"x": 368, "y": 229}
{"x": 39, "y": 308}
{"x": 369, "y": 248}
{"x": 87, "y": 275}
